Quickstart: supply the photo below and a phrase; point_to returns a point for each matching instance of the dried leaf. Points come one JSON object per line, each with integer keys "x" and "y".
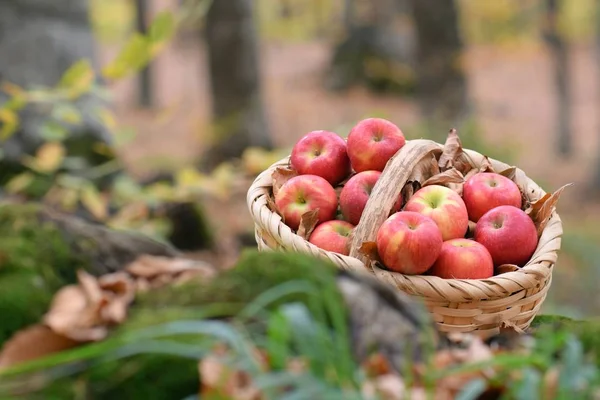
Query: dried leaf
{"x": 471, "y": 172}
{"x": 486, "y": 165}
{"x": 445, "y": 178}
{"x": 308, "y": 222}
{"x": 385, "y": 387}
{"x": 157, "y": 271}
{"x": 504, "y": 268}
{"x": 510, "y": 173}
{"x": 84, "y": 312}
{"x": 541, "y": 210}
{"x": 452, "y": 148}
{"x": 408, "y": 191}
{"x": 280, "y": 177}
{"x": 224, "y": 382}
{"x": 31, "y": 343}
{"x": 369, "y": 250}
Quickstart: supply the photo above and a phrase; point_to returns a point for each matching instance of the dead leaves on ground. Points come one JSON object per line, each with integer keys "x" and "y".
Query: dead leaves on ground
{"x": 85, "y": 312}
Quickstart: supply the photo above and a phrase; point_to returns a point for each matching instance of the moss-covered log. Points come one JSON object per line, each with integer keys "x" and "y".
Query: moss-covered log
{"x": 41, "y": 250}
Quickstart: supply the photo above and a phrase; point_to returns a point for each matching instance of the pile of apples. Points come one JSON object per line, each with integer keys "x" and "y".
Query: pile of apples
{"x": 329, "y": 183}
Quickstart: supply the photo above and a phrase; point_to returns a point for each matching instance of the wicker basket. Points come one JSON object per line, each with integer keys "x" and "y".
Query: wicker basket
{"x": 457, "y": 305}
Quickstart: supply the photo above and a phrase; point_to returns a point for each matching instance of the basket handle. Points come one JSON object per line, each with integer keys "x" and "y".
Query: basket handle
{"x": 386, "y": 191}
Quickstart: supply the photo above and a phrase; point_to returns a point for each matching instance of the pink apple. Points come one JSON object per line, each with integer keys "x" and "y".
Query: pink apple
{"x": 372, "y": 142}
{"x": 355, "y": 194}
{"x": 409, "y": 242}
{"x": 321, "y": 153}
{"x": 509, "y": 235}
{"x": 463, "y": 259}
{"x": 333, "y": 236}
{"x": 488, "y": 190}
{"x": 444, "y": 206}
{"x": 305, "y": 193}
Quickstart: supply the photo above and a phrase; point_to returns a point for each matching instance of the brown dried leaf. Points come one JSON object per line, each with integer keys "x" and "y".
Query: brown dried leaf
{"x": 452, "y": 148}
{"x": 408, "y": 191}
{"x": 224, "y": 382}
{"x": 369, "y": 250}
{"x": 504, "y": 268}
{"x": 541, "y": 210}
{"x": 385, "y": 387}
{"x": 72, "y": 316}
{"x": 510, "y": 173}
{"x": 308, "y": 222}
{"x": 486, "y": 165}
{"x": 152, "y": 267}
{"x": 31, "y": 343}
{"x": 471, "y": 172}
{"x": 445, "y": 178}
{"x": 84, "y": 312}
{"x": 281, "y": 176}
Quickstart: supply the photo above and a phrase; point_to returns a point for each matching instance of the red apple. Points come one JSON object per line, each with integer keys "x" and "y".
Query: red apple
{"x": 355, "y": 194}
{"x": 333, "y": 236}
{"x": 321, "y": 153}
{"x": 409, "y": 242}
{"x": 509, "y": 235}
{"x": 488, "y": 190}
{"x": 305, "y": 193}
{"x": 372, "y": 142}
{"x": 444, "y": 206}
{"x": 463, "y": 259}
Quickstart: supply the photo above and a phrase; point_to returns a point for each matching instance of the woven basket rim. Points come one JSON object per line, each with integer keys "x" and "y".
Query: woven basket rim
{"x": 527, "y": 277}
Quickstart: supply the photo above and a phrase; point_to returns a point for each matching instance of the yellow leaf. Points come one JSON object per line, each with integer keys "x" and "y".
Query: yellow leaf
{"x": 67, "y": 113}
{"x": 49, "y": 157}
{"x": 19, "y": 183}
{"x": 9, "y": 123}
{"x": 107, "y": 118}
{"x": 187, "y": 177}
{"x": 78, "y": 78}
{"x": 93, "y": 201}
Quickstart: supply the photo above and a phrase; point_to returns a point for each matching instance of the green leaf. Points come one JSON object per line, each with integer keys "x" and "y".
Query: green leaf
{"x": 78, "y": 78}
{"x": 66, "y": 113}
{"x": 162, "y": 28}
{"x": 53, "y": 131}
{"x": 20, "y": 182}
{"x": 134, "y": 56}
{"x": 9, "y": 122}
{"x": 93, "y": 201}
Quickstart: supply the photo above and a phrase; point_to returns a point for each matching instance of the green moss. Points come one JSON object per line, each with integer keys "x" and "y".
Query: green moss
{"x": 35, "y": 261}
{"x": 254, "y": 274}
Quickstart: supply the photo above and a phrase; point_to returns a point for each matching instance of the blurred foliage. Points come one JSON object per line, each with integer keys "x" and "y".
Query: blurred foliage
{"x": 49, "y": 172}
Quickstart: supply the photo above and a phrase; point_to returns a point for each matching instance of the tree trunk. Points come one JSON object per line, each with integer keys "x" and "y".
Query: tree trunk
{"x": 239, "y": 118}
{"x": 145, "y": 76}
{"x": 377, "y": 50}
{"x": 559, "y": 54}
{"x": 39, "y": 41}
{"x": 442, "y": 85}
{"x": 593, "y": 188}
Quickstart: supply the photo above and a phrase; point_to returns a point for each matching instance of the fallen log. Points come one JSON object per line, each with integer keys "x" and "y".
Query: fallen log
{"x": 41, "y": 250}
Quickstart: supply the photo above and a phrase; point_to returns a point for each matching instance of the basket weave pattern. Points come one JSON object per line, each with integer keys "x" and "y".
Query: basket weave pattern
{"x": 457, "y": 305}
